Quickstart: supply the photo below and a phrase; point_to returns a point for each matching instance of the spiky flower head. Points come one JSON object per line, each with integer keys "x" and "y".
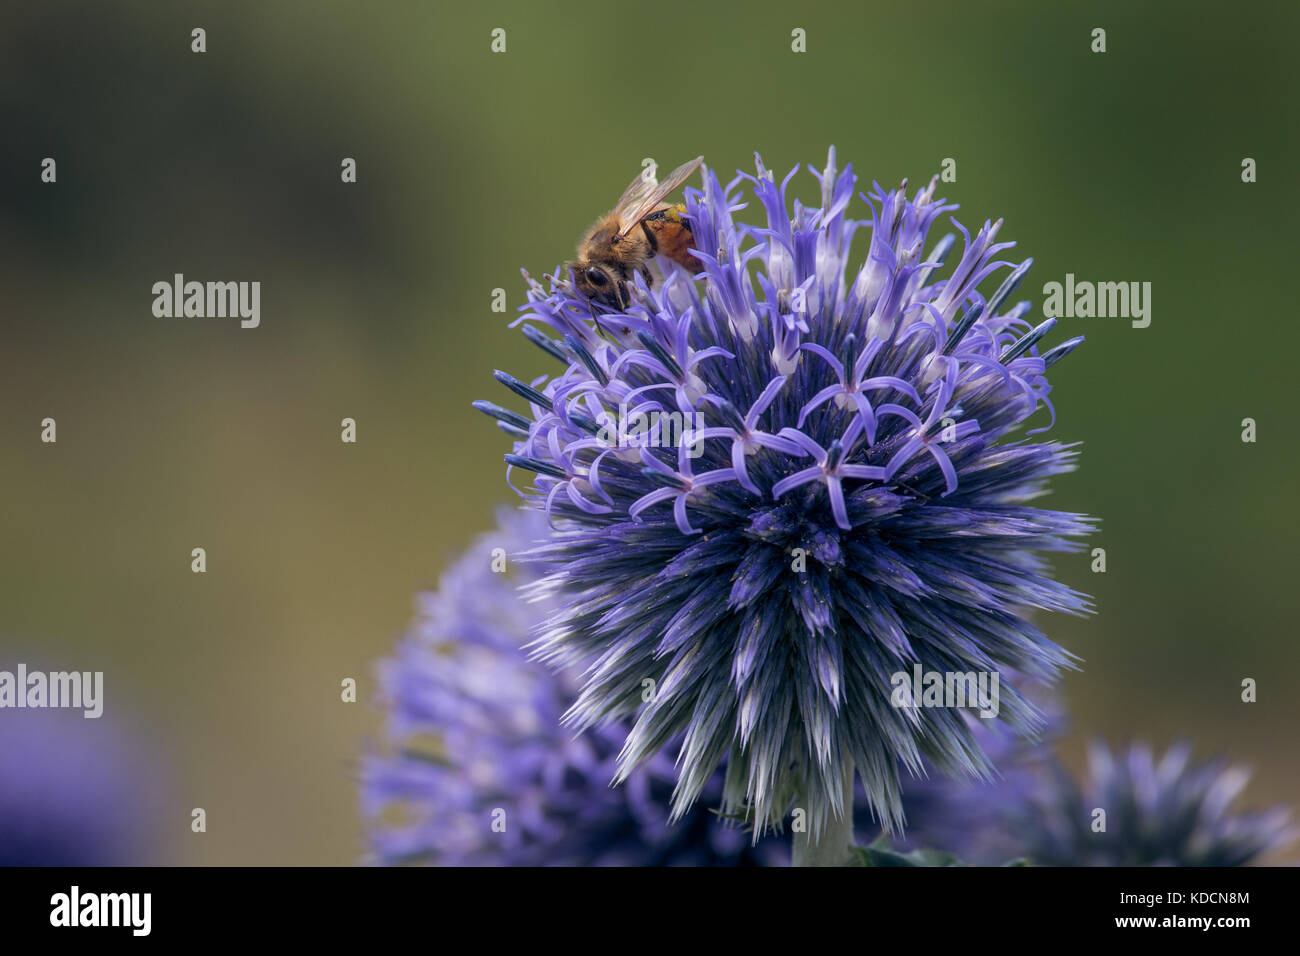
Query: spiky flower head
{"x": 477, "y": 769}
{"x": 849, "y": 497}
{"x": 1169, "y": 811}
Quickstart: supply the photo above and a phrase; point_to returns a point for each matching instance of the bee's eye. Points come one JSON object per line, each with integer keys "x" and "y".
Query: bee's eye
{"x": 596, "y": 277}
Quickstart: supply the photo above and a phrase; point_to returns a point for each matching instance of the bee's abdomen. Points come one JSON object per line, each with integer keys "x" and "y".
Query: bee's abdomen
{"x": 673, "y": 234}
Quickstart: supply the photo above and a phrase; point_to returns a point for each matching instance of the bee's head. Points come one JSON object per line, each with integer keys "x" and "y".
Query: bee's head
{"x": 598, "y": 283}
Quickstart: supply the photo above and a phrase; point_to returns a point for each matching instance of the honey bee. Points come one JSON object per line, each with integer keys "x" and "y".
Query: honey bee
{"x": 622, "y": 242}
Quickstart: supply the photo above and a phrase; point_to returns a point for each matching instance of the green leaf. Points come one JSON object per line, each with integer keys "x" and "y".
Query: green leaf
{"x": 880, "y": 853}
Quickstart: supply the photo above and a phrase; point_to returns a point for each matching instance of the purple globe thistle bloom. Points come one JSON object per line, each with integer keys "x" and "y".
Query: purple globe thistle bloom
{"x": 474, "y": 738}
{"x": 1166, "y": 812}
{"x": 847, "y": 496}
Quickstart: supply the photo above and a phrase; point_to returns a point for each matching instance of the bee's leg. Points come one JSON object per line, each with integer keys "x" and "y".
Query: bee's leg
{"x": 649, "y": 279}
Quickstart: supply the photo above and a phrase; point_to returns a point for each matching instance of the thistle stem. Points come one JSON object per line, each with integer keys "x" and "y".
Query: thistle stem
{"x": 836, "y": 836}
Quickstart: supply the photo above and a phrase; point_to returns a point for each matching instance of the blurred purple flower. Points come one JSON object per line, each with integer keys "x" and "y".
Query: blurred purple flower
{"x": 73, "y": 791}
{"x": 1166, "y": 812}
{"x": 969, "y": 816}
{"x": 473, "y": 730}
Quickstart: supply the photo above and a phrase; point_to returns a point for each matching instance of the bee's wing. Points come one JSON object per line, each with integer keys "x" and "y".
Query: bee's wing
{"x": 640, "y": 198}
{"x": 634, "y": 195}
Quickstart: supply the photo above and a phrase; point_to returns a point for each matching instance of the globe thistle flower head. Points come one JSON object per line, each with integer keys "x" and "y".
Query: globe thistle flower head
{"x": 1169, "y": 811}
{"x": 477, "y": 769}
{"x": 777, "y": 482}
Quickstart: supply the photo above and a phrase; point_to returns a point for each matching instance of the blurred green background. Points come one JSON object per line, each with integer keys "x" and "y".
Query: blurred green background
{"x": 181, "y": 433}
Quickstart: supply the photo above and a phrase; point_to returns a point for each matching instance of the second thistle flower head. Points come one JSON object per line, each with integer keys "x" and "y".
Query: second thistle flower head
{"x": 477, "y": 770}
{"x": 778, "y": 482}
{"x": 1166, "y": 811}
